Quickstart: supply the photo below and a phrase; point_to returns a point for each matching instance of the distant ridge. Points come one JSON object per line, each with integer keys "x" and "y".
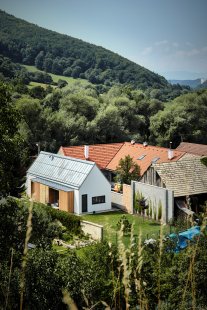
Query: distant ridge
{"x": 192, "y": 83}
{"x": 196, "y": 84}
{"x": 50, "y": 51}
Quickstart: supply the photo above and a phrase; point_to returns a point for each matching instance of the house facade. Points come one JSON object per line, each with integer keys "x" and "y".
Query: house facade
{"x": 69, "y": 184}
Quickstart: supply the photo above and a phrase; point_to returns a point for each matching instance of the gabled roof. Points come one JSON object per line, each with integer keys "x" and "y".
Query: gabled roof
{"x": 144, "y": 156}
{"x": 193, "y": 148}
{"x": 184, "y": 177}
{"x": 61, "y": 170}
{"x": 101, "y": 154}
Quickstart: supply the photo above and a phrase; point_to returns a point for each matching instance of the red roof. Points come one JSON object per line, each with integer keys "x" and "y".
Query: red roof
{"x": 107, "y": 156}
{"x": 193, "y": 148}
{"x": 144, "y": 156}
{"x": 101, "y": 154}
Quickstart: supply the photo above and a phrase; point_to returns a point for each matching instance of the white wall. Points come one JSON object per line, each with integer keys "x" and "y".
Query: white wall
{"x": 156, "y": 195}
{"x": 76, "y": 201}
{"x": 28, "y": 185}
{"x": 94, "y": 185}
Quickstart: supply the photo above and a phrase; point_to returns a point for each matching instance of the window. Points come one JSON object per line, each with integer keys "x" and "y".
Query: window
{"x": 141, "y": 157}
{"x": 155, "y": 160}
{"x": 98, "y": 199}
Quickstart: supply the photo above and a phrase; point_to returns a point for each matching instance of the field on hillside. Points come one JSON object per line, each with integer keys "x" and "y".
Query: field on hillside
{"x": 56, "y": 77}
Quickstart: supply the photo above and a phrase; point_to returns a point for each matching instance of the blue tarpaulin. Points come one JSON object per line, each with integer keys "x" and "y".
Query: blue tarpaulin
{"x": 184, "y": 237}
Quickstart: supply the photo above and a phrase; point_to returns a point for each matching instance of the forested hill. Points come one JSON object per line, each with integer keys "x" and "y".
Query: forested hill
{"x": 30, "y": 44}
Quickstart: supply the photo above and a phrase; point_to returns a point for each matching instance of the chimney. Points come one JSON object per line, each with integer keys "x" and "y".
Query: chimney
{"x": 132, "y": 142}
{"x": 170, "y": 153}
{"x": 86, "y": 151}
{"x": 144, "y": 143}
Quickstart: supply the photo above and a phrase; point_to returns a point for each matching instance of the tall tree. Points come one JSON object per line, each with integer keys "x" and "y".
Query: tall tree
{"x": 127, "y": 170}
{"x": 10, "y": 145}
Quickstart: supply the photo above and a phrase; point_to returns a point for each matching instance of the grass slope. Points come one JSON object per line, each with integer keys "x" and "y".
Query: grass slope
{"x": 55, "y": 78}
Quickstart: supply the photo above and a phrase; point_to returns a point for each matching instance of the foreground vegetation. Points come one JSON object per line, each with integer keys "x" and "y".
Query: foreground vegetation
{"x": 104, "y": 276}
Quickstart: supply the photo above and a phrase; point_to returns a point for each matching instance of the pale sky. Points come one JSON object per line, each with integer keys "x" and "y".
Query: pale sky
{"x": 168, "y": 37}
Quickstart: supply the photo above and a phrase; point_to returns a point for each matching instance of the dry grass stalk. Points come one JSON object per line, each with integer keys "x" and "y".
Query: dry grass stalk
{"x": 24, "y": 259}
{"x": 159, "y": 265}
{"x": 69, "y": 301}
{"x": 10, "y": 272}
{"x": 143, "y": 304}
{"x": 123, "y": 253}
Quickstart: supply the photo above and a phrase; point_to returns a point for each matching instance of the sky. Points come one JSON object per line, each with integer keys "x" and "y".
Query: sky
{"x": 168, "y": 37}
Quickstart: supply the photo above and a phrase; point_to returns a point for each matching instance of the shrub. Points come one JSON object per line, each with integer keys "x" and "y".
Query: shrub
{"x": 70, "y": 221}
{"x": 124, "y": 224}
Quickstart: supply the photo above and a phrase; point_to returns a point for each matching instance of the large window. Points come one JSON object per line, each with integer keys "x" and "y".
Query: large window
{"x": 98, "y": 199}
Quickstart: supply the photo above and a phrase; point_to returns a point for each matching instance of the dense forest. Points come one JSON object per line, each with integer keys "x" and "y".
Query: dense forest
{"x": 52, "y": 52}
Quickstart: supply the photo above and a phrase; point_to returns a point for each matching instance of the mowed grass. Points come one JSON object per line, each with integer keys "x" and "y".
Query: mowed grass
{"x": 33, "y": 84}
{"x": 148, "y": 228}
{"x": 56, "y": 77}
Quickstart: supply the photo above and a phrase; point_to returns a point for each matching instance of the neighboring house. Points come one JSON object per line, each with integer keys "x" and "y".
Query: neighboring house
{"x": 107, "y": 156}
{"x": 185, "y": 177}
{"x": 70, "y": 184}
{"x": 193, "y": 148}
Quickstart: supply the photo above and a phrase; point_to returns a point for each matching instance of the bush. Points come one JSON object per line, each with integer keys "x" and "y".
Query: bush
{"x": 70, "y": 221}
{"x": 124, "y": 224}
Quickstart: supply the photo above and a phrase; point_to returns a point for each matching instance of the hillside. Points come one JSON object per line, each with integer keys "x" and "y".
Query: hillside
{"x": 60, "y": 54}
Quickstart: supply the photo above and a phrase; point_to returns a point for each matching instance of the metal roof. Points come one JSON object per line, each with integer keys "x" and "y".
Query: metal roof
{"x": 62, "y": 170}
{"x": 54, "y": 185}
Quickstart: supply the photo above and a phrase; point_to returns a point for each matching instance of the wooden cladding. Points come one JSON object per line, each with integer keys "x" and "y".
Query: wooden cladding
{"x": 66, "y": 201}
{"x": 44, "y": 194}
{"x": 35, "y": 191}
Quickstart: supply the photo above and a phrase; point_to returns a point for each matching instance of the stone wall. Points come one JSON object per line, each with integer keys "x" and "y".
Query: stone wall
{"x": 93, "y": 229}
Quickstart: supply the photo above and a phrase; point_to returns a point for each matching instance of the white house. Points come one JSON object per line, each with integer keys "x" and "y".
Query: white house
{"x": 70, "y": 184}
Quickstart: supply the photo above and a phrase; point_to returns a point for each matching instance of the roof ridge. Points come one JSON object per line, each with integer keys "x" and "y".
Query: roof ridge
{"x": 92, "y": 163}
{"x": 116, "y": 152}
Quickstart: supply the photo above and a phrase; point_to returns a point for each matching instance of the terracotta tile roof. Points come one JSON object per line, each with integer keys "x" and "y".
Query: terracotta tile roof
{"x": 101, "y": 154}
{"x": 193, "y": 148}
{"x": 184, "y": 177}
{"x": 144, "y": 156}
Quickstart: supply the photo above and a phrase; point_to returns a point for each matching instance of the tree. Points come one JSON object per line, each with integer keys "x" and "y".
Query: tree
{"x": 127, "y": 170}
{"x": 183, "y": 117}
{"x": 37, "y": 92}
{"x": 39, "y": 60}
{"x": 62, "y": 83}
{"x": 10, "y": 146}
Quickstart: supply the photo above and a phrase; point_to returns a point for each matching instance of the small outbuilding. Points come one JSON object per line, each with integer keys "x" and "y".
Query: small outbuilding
{"x": 69, "y": 184}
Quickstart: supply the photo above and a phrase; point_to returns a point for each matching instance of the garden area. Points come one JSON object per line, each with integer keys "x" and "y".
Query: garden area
{"x": 111, "y": 225}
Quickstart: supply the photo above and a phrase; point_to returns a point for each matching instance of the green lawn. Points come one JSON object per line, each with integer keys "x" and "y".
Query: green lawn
{"x": 33, "y": 84}
{"x": 109, "y": 220}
